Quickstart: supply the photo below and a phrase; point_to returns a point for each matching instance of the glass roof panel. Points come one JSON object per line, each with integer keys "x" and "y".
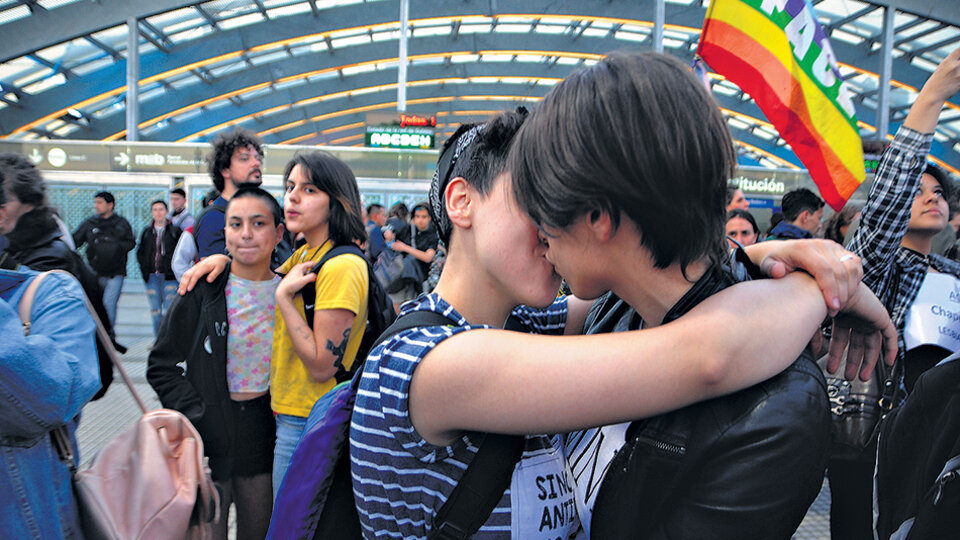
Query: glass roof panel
{"x": 187, "y": 24}
{"x": 14, "y": 13}
{"x": 291, "y": 9}
{"x": 242, "y": 20}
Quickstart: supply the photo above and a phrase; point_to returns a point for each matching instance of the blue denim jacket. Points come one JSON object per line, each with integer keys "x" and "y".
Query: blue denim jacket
{"x": 45, "y": 379}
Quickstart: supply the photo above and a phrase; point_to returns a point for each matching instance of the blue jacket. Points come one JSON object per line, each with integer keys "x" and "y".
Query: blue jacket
{"x": 788, "y": 231}
{"x": 45, "y": 379}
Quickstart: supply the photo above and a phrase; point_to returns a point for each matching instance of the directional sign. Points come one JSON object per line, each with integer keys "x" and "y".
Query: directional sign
{"x": 178, "y": 159}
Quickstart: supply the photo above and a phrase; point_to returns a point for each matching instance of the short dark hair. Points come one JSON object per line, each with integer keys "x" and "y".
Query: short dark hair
{"x": 160, "y": 201}
{"x": 262, "y": 194}
{"x": 480, "y": 162}
{"x": 743, "y": 214}
{"x": 210, "y": 196}
{"x": 374, "y": 208}
{"x": 178, "y": 191}
{"x": 334, "y": 178}
{"x": 223, "y": 147}
{"x": 941, "y": 177}
{"x": 22, "y": 178}
{"x": 797, "y": 201}
{"x": 399, "y": 210}
{"x": 636, "y": 134}
{"x": 420, "y": 206}
{"x": 106, "y": 196}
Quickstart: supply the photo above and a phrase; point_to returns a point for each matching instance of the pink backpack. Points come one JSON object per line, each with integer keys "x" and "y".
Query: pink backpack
{"x": 151, "y": 481}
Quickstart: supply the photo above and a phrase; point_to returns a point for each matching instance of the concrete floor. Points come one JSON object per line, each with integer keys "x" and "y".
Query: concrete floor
{"x": 104, "y": 419}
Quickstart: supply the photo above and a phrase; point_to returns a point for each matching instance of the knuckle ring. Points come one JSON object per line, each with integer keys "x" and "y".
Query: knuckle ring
{"x": 847, "y": 257}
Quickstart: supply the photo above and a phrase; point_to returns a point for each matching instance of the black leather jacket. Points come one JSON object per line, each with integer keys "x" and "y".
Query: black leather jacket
{"x": 746, "y": 465}
{"x": 195, "y": 331}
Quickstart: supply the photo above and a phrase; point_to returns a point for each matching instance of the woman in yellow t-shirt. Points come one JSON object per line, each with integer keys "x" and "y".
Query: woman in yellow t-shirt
{"x": 322, "y": 202}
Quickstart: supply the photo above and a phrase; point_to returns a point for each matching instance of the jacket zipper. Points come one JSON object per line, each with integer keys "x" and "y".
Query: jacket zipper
{"x": 944, "y": 479}
{"x": 663, "y": 446}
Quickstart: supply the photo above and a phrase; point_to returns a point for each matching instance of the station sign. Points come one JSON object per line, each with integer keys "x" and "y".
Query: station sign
{"x": 116, "y": 157}
{"x": 399, "y": 137}
{"x": 412, "y": 120}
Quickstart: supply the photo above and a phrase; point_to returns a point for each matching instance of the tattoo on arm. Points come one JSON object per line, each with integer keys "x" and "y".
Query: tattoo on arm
{"x": 339, "y": 350}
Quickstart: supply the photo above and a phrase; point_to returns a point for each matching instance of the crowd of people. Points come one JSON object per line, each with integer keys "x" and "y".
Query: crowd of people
{"x": 636, "y": 407}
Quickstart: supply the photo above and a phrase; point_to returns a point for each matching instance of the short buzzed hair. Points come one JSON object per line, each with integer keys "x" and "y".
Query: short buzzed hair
{"x": 263, "y": 195}
{"x": 797, "y": 201}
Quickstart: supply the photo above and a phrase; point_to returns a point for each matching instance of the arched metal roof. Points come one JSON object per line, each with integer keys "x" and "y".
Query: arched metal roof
{"x": 307, "y": 72}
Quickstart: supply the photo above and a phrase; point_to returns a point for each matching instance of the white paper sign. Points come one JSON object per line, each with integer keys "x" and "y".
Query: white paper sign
{"x": 934, "y": 317}
{"x": 542, "y": 497}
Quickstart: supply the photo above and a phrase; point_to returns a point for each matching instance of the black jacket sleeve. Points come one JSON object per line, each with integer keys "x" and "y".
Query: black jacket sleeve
{"x": 125, "y": 236}
{"x": 175, "y": 341}
{"x": 80, "y": 235}
{"x": 144, "y": 252}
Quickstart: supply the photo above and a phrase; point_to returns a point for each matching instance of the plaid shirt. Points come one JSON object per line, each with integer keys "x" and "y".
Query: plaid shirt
{"x": 892, "y": 272}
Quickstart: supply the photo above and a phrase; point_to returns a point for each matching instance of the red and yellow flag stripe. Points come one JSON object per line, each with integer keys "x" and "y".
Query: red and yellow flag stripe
{"x": 752, "y": 49}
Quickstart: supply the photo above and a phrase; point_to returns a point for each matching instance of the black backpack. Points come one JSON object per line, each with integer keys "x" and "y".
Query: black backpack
{"x": 917, "y": 479}
{"x": 380, "y": 312}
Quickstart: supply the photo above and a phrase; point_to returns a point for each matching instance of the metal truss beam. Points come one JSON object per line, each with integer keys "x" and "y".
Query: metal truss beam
{"x": 937, "y": 10}
{"x": 45, "y": 28}
{"x": 385, "y": 79}
{"x": 307, "y": 63}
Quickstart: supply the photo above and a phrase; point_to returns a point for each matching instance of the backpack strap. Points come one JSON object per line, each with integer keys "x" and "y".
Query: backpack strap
{"x": 210, "y": 208}
{"x": 481, "y": 487}
{"x": 309, "y": 293}
{"x": 489, "y": 473}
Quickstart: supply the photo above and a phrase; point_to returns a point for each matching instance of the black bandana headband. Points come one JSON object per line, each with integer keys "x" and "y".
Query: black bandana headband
{"x": 441, "y": 177}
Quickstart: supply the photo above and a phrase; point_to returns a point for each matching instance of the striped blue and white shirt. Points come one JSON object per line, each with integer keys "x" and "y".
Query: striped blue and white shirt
{"x": 400, "y": 481}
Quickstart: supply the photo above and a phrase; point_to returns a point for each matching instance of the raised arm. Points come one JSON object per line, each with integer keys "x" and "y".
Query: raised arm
{"x": 490, "y": 380}
{"x": 884, "y": 220}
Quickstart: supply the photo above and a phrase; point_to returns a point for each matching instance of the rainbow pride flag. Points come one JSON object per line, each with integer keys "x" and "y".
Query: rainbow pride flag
{"x": 776, "y": 51}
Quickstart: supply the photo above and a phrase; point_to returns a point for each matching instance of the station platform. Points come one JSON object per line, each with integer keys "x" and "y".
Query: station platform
{"x": 104, "y": 419}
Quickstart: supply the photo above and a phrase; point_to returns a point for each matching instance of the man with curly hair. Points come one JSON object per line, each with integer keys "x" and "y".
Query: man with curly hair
{"x": 233, "y": 162}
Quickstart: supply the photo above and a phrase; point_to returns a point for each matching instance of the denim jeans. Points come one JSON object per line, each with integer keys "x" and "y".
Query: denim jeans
{"x": 160, "y": 294}
{"x": 289, "y": 429}
{"x": 111, "y": 295}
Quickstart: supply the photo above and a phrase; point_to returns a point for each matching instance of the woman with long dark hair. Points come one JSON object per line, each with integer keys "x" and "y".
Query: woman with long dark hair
{"x": 321, "y": 201}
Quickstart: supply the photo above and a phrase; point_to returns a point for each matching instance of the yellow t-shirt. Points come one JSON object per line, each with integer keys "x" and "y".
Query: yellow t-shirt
{"x": 342, "y": 284}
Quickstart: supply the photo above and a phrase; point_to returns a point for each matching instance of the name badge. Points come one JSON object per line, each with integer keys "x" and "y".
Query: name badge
{"x": 542, "y": 498}
{"x": 934, "y": 317}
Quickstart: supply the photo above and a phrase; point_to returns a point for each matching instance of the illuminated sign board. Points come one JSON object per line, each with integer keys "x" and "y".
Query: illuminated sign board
{"x": 407, "y": 120}
{"x": 399, "y": 137}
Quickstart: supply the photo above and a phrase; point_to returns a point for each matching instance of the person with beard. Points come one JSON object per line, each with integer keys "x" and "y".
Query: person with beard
{"x": 36, "y": 240}
{"x": 233, "y": 162}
